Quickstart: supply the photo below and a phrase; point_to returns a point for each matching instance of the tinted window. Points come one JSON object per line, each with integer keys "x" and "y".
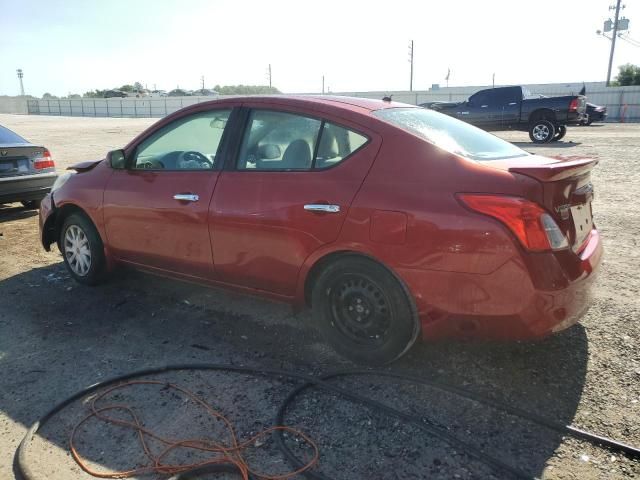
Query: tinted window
{"x": 479, "y": 99}
{"x": 336, "y": 144}
{"x": 450, "y": 134}
{"x": 278, "y": 141}
{"x": 190, "y": 143}
{"x": 7, "y": 136}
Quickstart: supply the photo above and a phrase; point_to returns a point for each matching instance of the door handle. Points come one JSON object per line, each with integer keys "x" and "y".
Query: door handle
{"x": 322, "y": 207}
{"x": 186, "y": 197}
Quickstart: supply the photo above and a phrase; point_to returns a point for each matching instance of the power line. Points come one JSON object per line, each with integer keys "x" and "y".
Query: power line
{"x": 411, "y": 61}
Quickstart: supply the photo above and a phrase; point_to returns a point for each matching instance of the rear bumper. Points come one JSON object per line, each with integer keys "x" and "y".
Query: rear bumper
{"x": 26, "y": 187}
{"x": 527, "y": 299}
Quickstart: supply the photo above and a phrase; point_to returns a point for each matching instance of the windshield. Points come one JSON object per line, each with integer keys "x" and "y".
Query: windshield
{"x": 8, "y": 137}
{"x": 450, "y": 134}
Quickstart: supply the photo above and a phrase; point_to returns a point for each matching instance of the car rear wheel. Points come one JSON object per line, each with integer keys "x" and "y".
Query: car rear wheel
{"x": 363, "y": 311}
{"x": 561, "y": 132}
{"x": 32, "y": 204}
{"x": 82, "y": 249}
{"x": 541, "y": 131}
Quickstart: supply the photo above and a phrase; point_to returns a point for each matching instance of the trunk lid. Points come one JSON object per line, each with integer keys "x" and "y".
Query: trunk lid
{"x": 18, "y": 159}
{"x": 567, "y": 191}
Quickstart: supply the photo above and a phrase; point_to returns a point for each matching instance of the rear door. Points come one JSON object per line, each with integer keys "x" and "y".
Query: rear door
{"x": 476, "y": 111}
{"x": 507, "y": 107}
{"x": 156, "y": 211}
{"x": 287, "y": 193}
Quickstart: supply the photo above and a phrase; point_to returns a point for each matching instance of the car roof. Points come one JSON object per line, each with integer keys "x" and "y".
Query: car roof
{"x": 362, "y": 105}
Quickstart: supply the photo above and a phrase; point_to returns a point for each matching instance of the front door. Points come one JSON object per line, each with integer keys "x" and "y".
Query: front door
{"x": 156, "y": 211}
{"x": 287, "y": 194}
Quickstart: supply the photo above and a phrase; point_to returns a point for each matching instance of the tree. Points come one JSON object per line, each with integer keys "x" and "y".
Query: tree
{"x": 127, "y": 88}
{"x": 48, "y": 96}
{"x": 138, "y": 87}
{"x": 628, "y": 75}
{"x": 245, "y": 90}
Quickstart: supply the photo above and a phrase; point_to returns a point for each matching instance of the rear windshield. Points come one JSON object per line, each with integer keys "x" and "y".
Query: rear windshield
{"x": 7, "y": 136}
{"x": 450, "y": 134}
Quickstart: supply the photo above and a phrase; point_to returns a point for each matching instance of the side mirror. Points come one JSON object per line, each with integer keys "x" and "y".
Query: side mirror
{"x": 117, "y": 159}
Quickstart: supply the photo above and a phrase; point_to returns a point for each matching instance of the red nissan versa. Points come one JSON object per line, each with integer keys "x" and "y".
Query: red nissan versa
{"x": 391, "y": 221}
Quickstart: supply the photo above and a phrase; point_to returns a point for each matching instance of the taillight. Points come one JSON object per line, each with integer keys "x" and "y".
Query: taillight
{"x": 573, "y": 105}
{"x": 45, "y": 161}
{"x": 536, "y": 230}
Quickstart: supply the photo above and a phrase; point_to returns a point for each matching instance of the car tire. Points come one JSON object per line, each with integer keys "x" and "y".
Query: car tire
{"x": 541, "y": 131}
{"x": 589, "y": 121}
{"x": 32, "y": 204}
{"x": 82, "y": 249}
{"x": 560, "y": 133}
{"x": 363, "y": 311}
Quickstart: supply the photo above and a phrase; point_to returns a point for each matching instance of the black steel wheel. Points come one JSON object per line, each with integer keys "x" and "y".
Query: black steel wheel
{"x": 364, "y": 311}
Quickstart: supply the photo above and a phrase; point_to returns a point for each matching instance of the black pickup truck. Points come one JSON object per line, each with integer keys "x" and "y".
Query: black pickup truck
{"x": 514, "y": 108}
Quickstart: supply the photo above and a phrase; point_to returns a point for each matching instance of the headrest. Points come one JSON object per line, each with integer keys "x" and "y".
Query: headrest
{"x": 328, "y": 147}
{"x": 269, "y": 151}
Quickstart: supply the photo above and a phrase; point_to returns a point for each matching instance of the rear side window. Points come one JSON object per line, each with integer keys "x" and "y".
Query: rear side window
{"x": 7, "y": 136}
{"x": 291, "y": 142}
{"x": 450, "y": 134}
{"x": 336, "y": 144}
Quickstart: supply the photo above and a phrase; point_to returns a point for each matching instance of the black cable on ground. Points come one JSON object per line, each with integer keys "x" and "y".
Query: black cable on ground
{"x": 22, "y": 468}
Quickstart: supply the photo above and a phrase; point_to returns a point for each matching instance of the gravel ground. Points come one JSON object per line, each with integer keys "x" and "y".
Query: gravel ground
{"x": 57, "y": 337}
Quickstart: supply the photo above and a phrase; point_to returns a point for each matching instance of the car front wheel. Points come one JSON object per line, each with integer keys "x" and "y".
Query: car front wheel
{"x": 82, "y": 249}
{"x": 541, "y": 131}
{"x": 364, "y": 312}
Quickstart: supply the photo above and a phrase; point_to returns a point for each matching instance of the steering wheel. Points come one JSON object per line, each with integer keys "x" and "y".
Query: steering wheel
{"x": 193, "y": 156}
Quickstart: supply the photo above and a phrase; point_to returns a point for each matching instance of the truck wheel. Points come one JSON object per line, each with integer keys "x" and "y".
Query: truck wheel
{"x": 541, "y": 131}
{"x": 560, "y": 133}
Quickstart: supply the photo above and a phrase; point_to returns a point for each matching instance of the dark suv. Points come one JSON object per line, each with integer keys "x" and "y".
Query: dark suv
{"x": 27, "y": 171}
{"x": 514, "y": 108}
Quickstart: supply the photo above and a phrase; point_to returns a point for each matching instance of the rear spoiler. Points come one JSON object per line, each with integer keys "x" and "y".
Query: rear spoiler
{"x": 84, "y": 166}
{"x": 560, "y": 170}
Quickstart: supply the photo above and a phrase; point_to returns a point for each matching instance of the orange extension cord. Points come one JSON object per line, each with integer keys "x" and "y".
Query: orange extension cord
{"x": 221, "y": 454}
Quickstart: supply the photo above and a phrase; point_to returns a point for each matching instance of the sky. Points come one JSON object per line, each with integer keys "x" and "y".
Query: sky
{"x": 73, "y": 46}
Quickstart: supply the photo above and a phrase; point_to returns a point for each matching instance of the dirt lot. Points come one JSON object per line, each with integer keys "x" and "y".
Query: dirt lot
{"x": 57, "y": 337}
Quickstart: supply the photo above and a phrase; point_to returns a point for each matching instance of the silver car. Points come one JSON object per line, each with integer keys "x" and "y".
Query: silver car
{"x": 27, "y": 171}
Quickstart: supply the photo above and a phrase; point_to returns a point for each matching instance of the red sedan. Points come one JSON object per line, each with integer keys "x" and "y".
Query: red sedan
{"x": 390, "y": 221}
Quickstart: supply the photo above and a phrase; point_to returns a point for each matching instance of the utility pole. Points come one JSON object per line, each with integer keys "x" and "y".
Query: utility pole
{"x": 493, "y": 81}
{"x": 613, "y": 41}
{"x": 202, "y": 81}
{"x": 20, "y": 75}
{"x": 269, "y": 76}
{"x": 323, "y": 84}
{"x": 411, "y": 61}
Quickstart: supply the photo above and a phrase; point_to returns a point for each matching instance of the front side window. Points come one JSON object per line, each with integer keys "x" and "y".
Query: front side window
{"x": 450, "y": 134}
{"x": 190, "y": 143}
{"x": 287, "y": 141}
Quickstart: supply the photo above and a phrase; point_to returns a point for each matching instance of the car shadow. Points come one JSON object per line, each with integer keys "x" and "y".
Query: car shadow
{"x": 560, "y": 144}
{"x": 57, "y": 337}
{"x": 9, "y": 212}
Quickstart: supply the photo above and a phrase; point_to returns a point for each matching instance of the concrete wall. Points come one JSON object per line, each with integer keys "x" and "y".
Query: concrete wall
{"x": 13, "y": 105}
{"x": 621, "y": 102}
